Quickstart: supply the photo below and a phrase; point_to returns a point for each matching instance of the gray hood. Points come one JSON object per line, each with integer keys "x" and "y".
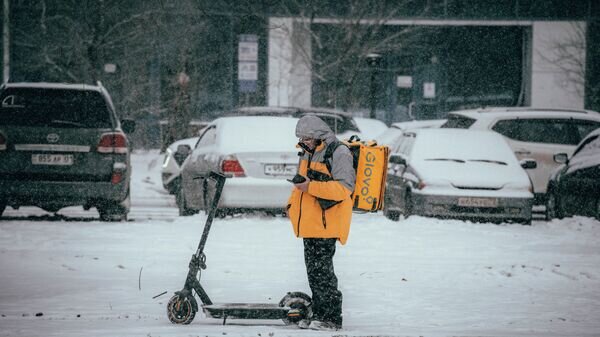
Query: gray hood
{"x": 311, "y": 126}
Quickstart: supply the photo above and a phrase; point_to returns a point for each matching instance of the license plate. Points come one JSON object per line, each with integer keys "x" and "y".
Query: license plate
{"x": 280, "y": 169}
{"x": 478, "y": 202}
{"x": 52, "y": 159}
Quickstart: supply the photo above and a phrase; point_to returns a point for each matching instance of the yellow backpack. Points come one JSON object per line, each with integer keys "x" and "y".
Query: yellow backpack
{"x": 370, "y": 163}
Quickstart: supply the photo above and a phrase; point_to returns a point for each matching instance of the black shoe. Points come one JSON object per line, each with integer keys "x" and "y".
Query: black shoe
{"x": 324, "y": 326}
{"x": 304, "y": 324}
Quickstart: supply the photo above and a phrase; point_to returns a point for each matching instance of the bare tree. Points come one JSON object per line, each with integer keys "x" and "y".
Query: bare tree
{"x": 339, "y": 51}
{"x": 73, "y": 40}
{"x": 568, "y": 55}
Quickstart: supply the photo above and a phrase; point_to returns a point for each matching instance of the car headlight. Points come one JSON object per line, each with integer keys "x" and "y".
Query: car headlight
{"x": 519, "y": 187}
{"x": 168, "y": 156}
{"x": 422, "y": 183}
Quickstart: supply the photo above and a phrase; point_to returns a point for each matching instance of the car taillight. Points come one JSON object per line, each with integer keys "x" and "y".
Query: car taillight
{"x": 116, "y": 178}
{"x": 2, "y": 142}
{"x": 114, "y": 142}
{"x": 231, "y": 166}
{"x": 421, "y": 185}
{"x": 119, "y": 171}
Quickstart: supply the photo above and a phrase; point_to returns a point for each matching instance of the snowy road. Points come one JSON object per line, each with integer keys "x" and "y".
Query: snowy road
{"x": 416, "y": 277}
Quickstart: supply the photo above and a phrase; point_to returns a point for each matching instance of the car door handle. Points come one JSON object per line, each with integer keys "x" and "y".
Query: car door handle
{"x": 523, "y": 152}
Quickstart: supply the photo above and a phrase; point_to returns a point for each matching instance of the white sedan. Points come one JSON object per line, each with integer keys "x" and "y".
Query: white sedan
{"x": 454, "y": 173}
{"x": 256, "y": 153}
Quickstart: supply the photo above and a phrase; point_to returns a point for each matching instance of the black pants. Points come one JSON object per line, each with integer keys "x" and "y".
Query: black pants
{"x": 326, "y": 298}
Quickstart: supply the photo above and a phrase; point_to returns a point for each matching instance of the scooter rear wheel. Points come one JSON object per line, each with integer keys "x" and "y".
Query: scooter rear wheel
{"x": 180, "y": 309}
{"x": 300, "y": 307}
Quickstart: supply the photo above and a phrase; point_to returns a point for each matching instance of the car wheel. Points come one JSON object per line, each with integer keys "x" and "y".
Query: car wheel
{"x": 173, "y": 187}
{"x": 526, "y": 222}
{"x": 392, "y": 215}
{"x": 182, "y": 204}
{"x": 553, "y": 208}
{"x": 113, "y": 211}
{"x": 408, "y": 205}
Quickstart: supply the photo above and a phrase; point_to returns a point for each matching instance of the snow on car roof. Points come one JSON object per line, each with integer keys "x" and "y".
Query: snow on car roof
{"x": 256, "y": 133}
{"x": 370, "y": 128}
{"x": 291, "y": 110}
{"x": 525, "y": 112}
{"x": 49, "y": 85}
{"x": 418, "y": 124}
{"x": 463, "y": 144}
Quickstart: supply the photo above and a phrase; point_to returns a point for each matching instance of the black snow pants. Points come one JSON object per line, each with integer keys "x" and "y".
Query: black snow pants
{"x": 326, "y": 298}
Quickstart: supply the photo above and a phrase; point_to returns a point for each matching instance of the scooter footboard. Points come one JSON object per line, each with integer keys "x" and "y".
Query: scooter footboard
{"x": 246, "y": 311}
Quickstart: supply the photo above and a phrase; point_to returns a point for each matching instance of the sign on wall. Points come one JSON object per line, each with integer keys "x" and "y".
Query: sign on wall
{"x": 429, "y": 90}
{"x": 403, "y": 81}
{"x": 248, "y": 62}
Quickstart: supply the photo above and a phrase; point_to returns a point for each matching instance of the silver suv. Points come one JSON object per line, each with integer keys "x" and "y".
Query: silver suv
{"x": 62, "y": 145}
{"x": 532, "y": 133}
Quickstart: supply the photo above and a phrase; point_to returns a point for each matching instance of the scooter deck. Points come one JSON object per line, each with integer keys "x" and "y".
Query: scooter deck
{"x": 245, "y": 310}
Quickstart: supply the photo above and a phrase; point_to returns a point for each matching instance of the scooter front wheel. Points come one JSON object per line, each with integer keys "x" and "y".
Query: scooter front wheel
{"x": 180, "y": 309}
{"x": 300, "y": 307}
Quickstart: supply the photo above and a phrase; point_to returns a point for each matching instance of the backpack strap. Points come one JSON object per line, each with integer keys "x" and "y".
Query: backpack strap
{"x": 329, "y": 153}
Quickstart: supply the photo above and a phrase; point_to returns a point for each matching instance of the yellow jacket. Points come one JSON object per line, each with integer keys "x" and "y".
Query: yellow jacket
{"x": 309, "y": 219}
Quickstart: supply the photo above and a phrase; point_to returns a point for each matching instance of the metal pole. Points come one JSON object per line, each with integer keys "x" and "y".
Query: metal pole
{"x": 373, "y": 60}
{"x": 372, "y": 93}
{"x": 6, "y": 43}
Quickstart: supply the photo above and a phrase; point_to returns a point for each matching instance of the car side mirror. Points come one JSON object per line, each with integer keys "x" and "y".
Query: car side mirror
{"x": 395, "y": 159}
{"x": 128, "y": 125}
{"x": 528, "y": 164}
{"x": 183, "y": 151}
{"x": 561, "y": 158}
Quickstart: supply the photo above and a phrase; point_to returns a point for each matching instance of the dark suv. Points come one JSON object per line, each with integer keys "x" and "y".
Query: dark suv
{"x": 62, "y": 145}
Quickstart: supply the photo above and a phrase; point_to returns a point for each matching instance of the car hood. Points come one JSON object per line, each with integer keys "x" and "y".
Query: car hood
{"x": 471, "y": 174}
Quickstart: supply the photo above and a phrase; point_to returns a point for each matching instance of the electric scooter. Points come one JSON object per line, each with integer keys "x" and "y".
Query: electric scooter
{"x": 182, "y": 307}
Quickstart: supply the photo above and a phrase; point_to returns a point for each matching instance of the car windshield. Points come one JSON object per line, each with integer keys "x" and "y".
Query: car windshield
{"x": 462, "y": 146}
{"x": 458, "y": 122}
{"x": 54, "y": 107}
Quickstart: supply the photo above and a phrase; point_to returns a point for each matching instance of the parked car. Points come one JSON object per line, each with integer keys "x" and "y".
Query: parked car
{"x": 532, "y": 133}
{"x": 370, "y": 128}
{"x": 452, "y": 173}
{"x": 574, "y": 189}
{"x": 257, "y": 153}
{"x": 175, "y": 154}
{"x": 394, "y": 132}
{"x": 62, "y": 145}
{"x": 342, "y": 123}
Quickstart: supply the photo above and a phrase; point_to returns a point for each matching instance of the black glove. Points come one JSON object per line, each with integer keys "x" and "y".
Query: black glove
{"x": 297, "y": 179}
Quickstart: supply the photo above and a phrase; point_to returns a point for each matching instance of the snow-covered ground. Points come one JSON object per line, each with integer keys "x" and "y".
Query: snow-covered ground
{"x": 73, "y": 275}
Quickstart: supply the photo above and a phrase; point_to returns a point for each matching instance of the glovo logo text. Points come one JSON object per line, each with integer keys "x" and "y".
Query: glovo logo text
{"x": 367, "y": 174}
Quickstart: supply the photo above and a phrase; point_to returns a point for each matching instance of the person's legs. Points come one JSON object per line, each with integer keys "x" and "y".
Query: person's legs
{"x": 326, "y": 298}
